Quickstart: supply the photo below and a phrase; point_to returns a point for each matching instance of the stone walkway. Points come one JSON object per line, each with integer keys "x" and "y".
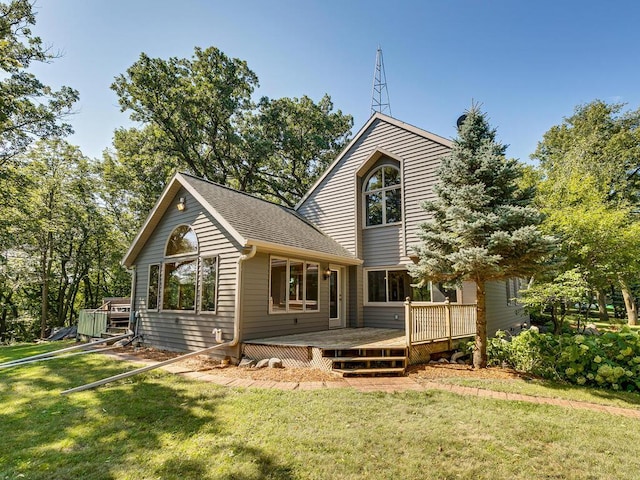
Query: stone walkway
{"x": 388, "y": 385}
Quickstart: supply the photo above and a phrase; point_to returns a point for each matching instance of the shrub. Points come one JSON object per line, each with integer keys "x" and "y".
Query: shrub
{"x": 611, "y": 360}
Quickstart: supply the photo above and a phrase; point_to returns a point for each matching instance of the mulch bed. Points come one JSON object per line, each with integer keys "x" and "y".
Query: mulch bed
{"x": 202, "y": 363}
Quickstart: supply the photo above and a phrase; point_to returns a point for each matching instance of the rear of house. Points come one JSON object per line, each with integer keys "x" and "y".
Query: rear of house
{"x": 213, "y": 264}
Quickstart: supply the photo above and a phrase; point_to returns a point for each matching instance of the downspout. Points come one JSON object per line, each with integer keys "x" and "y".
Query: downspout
{"x": 237, "y": 321}
{"x": 133, "y": 316}
{"x": 236, "y": 335}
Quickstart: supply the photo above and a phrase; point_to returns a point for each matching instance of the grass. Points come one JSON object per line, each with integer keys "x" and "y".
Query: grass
{"x": 551, "y": 389}
{"x": 158, "y": 425}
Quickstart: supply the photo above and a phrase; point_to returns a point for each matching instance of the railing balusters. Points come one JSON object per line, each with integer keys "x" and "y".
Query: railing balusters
{"x": 426, "y": 322}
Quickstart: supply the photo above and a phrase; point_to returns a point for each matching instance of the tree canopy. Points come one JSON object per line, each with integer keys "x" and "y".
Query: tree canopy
{"x": 28, "y": 108}
{"x": 589, "y": 190}
{"x": 483, "y": 226}
{"x": 197, "y": 115}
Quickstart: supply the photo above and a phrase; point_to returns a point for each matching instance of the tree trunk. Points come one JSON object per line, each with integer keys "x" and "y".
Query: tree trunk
{"x": 629, "y": 303}
{"x": 603, "y": 315}
{"x": 480, "y": 347}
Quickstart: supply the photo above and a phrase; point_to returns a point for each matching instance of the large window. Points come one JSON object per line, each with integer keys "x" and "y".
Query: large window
{"x": 383, "y": 197}
{"x": 180, "y": 285}
{"x": 294, "y": 286}
{"x": 385, "y": 286}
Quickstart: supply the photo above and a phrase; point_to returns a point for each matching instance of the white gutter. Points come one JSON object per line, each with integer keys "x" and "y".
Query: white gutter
{"x": 236, "y": 336}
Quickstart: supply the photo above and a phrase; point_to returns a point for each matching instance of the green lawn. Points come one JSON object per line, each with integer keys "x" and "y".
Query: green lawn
{"x": 161, "y": 426}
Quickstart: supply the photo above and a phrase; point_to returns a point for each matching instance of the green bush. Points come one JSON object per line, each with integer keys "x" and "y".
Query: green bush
{"x": 611, "y": 360}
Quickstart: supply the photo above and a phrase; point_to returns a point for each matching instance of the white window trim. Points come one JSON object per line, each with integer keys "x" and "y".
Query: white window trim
{"x": 201, "y": 286}
{"x": 173, "y": 259}
{"x": 386, "y": 303}
{"x": 382, "y": 190}
{"x": 287, "y": 311}
{"x": 159, "y": 286}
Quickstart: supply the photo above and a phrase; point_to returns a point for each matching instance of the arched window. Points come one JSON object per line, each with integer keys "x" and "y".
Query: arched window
{"x": 182, "y": 241}
{"x": 180, "y": 274}
{"x": 383, "y": 196}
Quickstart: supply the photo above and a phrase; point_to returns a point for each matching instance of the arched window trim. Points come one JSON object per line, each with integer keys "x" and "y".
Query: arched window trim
{"x": 382, "y": 190}
{"x": 182, "y": 254}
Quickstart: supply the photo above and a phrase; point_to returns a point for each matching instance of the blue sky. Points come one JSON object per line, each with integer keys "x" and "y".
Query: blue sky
{"x": 529, "y": 63}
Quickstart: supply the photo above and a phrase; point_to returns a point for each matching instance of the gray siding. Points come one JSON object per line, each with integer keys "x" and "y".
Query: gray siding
{"x": 336, "y": 207}
{"x": 384, "y": 317}
{"x": 332, "y": 205}
{"x": 382, "y": 246}
{"x": 182, "y": 331}
{"x": 355, "y": 297}
{"x": 258, "y": 322}
{"x": 501, "y": 316}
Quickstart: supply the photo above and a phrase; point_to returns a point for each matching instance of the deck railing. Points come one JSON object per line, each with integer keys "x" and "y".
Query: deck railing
{"x": 429, "y": 322}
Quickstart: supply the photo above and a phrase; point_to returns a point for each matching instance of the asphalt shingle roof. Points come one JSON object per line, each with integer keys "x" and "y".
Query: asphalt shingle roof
{"x": 260, "y": 220}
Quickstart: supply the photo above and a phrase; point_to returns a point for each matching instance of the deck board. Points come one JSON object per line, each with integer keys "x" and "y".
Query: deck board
{"x": 342, "y": 339}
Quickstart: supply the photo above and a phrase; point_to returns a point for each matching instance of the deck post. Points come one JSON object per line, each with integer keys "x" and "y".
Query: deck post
{"x": 407, "y": 321}
{"x": 447, "y": 316}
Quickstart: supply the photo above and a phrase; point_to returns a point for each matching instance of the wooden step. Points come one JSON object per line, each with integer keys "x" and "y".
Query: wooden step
{"x": 368, "y": 371}
{"x": 363, "y": 359}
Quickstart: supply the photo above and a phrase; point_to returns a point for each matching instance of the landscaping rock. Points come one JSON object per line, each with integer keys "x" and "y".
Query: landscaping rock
{"x": 263, "y": 363}
{"x": 443, "y": 360}
{"x": 275, "y": 363}
{"x": 247, "y": 362}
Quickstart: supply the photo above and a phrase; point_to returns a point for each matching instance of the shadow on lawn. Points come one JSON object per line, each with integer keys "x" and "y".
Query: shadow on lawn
{"x": 136, "y": 426}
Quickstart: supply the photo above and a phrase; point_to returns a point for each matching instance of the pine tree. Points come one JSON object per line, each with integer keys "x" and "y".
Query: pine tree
{"x": 482, "y": 227}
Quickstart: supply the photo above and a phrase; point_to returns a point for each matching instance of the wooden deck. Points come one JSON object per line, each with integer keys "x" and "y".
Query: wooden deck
{"x": 341, "y": 339}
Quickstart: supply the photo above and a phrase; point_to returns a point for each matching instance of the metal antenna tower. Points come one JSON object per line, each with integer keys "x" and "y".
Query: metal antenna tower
{"x": 380, "y": 95}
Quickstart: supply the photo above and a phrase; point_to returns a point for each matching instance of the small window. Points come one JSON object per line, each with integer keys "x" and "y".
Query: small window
{"x": 209, "y": 280}
{"x": 182, "y": 241}
{"x": 153, "y": 287}
{"x": 294, "y": 286}
{"x": 383, "y": 197}
{"x": 179, "y": 289}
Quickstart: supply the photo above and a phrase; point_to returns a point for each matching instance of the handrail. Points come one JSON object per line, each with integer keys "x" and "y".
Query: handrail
{"x": 100, "y": 307}
{"x": 428, "y": 322}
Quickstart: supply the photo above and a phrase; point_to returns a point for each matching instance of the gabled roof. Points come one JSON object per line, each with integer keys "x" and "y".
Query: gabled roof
{"x": 248, "y": 219}
{"x": 384, "y": 118}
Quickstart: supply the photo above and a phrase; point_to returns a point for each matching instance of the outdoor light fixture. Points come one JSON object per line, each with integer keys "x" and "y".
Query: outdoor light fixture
{"x": 327, "y": 273}
{"x": 181, "y": 204}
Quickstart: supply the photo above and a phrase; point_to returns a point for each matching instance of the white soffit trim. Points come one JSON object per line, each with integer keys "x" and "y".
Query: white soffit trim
{"x": 303, "y": 252}
{"x": 373, "y": 157}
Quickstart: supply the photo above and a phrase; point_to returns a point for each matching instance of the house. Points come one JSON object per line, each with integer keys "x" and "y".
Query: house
{"x": 214, "y": 264}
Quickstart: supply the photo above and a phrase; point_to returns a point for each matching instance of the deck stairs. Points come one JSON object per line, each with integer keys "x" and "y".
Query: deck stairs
{"x": 378, "y": 361}
{"x": 114, "y": 332}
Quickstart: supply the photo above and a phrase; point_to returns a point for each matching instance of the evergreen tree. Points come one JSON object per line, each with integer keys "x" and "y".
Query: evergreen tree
{"x": 483, "y": 227}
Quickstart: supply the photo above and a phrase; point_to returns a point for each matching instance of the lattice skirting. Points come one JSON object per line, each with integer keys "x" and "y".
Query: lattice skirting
{"x": 292, "y": 357}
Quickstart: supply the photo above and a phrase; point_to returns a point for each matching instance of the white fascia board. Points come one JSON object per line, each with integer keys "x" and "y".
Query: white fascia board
{"x": 303, "y": 252}
{"x": 152, "y": 214}
{"x": 214, "y": 213}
